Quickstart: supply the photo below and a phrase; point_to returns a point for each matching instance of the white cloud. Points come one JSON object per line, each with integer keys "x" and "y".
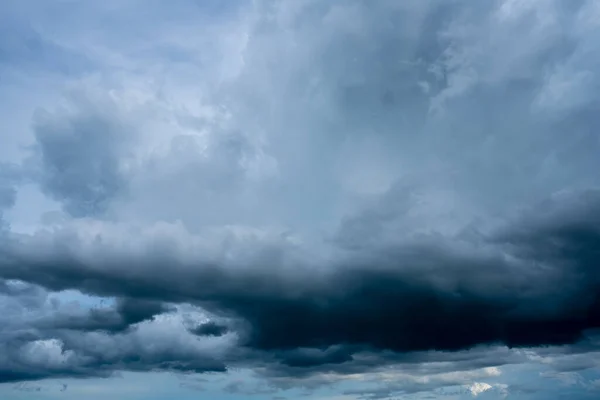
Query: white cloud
{"x": 479, "y": 387}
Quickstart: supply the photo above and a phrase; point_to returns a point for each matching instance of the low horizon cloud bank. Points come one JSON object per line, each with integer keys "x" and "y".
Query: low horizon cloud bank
{"x": 315, "y": 191}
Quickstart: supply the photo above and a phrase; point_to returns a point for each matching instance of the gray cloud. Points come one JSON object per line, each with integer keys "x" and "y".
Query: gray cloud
{"x": 23, "y": 48}
{"x": 533, "y": 283}
{"x": 43, "y": 337}
{"x": 210, "y": 328}
{"x": 351, "y": 186}
{"x": 126, "y": 313}
{"x": 80, "y": 157}
{"x": 9, "y": 179}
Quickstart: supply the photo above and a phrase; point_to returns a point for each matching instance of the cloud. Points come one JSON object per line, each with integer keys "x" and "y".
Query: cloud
{"x": 311, "y": 190}
{"x": 23, "y": 47}
{"x": 78, "y": 152}
{"x": 126, "y": 313}
{"x": 43, "y": 337}
{"x": 10, "y": 177}
{"x": 7, "y": 190}
{"x": 479, "y": 387}
{"x": 531, "y": 284}
{"x": 383, "y": 386}
{"x": 210, "y": 329}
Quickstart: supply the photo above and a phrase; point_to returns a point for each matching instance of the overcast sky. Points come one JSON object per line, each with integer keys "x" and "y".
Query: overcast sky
{"x": 299, "y": 199}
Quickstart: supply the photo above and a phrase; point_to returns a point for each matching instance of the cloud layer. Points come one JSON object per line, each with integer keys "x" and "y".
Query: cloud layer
{"x": 304, "y": 187}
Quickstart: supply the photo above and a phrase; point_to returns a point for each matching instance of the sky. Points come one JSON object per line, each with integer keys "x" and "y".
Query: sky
{"x": 299, "y": 199}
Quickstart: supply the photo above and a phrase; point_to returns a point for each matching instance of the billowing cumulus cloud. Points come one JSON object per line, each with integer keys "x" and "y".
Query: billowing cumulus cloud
{"x": 318, "y": 191}
{"x": 49, "y": 335}
{"x": 530, "y": 284}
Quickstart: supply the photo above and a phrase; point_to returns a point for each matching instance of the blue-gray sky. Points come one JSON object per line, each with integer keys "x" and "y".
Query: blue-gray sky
{"x": 285, "y": 199}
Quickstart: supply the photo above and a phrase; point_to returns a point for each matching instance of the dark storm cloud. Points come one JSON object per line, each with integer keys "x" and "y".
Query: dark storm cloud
{"x": 210, "y": 328}
{"x": 123, "y": 315}
{"x": 533, "y": 283}
{"x": 465, "y": 88}
{"x": 312, "y": 357}
{"x": 538, "y": 286}
{"x": 118, "y": 319}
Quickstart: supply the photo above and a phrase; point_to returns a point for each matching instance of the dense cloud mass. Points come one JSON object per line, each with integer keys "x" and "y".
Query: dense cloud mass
{"x": 532, "y": 282}
{"x": 345, "y": 187}
{"x": 43, "y": 336}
